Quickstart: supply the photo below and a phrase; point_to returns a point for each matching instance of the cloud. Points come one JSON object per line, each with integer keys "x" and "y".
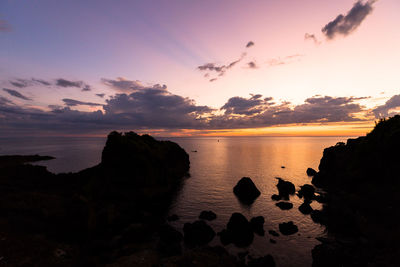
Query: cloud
{"x": 388, "y": 108}
{"x": 42, "y": 82}
{"x": 16, "y": 94}
{"x": 86, "y": 88}
{"x": 284, "y": 60}
{"x": 155, "y": 107}
{"x": 250, "y": 44}
{"x": 101, "y": 95}
{"x": 219, "y": 69}
{"x": 4, "y": 26}
{"x": 65, "y": 83}
{"x": 123, "y": 85}
{"x": 72, "y": 102}
{"x": 252, "y": 65}
{"x": 346, "y": 24}
{"x": 312, "y": 37}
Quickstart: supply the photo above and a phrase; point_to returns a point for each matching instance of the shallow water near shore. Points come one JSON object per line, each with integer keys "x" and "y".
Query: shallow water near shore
{"x": 215, "y": 169}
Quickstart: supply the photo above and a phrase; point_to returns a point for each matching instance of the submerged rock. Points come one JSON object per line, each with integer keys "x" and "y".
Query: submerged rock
{"x": 246, "y": 190}
{"x": 288, "y": 228}
{"x": 197, "y": 233}
{"x": 284, "y": 205}
{"x": 273, "y": 233}
{"x": 207, "y": 215}
{"x": 276, "y": 197}
{"x": 257, "y": 224}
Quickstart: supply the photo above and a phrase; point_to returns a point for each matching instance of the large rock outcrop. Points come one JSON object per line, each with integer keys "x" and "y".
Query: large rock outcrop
{"x": 92, "y": 214}
{"x": 357, "y": 176}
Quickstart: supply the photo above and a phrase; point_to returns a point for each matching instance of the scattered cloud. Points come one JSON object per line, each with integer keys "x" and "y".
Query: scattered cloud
{"x": 66, "y": 83}
{"x": 388, "y": 109}
{"x": 252, "y": 65}
{"x": 284, "y": 60}
{"x": 346, "y": 24}
{"x": 312, "y": 37}
{"x": 42, "y": 82}
{"x": 219, "y": 69}
{"x": 20, "y": 83}
{"x": 124, "y": 85}
{"x": 72, "y": 103}
{"x": 86, "y": 88}
{"x": 250, "y": 44}
{"x": 16, "y": 94}
{"x": 101, "y": 95}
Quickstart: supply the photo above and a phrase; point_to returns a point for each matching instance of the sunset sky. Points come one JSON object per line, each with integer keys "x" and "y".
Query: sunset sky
{"x": 171, "y": 67}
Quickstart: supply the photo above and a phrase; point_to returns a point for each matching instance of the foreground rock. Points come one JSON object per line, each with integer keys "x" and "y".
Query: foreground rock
{"x": 307, "y": 192}
{"x": 311, "y": 172}
{"x": 357, "y": 176}
{"x": 284, "y": 205}
{"x": 94, "y": 214}
{"x": 305, "y": 208}
{"x": 266, "y": 261}
{"x": 257, "y": 225}
{"x": 246, "y": 190}
{"x": 207, "y": 215}
{"x": 288, "y": 228}
{"x": 238, "y": 231}
{"x": 285, "y": 188}
{"x": 198, "y": 233}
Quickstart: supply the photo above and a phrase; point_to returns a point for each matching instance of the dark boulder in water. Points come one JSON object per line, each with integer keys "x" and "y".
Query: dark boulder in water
{"x": 207, "y": 215}
{"x": 257, "y": 224}
{"x": 197, "y": 233}
{"x": 284, "y": 205}
{"x": 305, "y": 208}
{"x": 307, "y": 191}
{"x": 238, "y": 231}
{"x": 266, "y": 261}
{"x": 311, "y": 172}
{"x": 285, "y": 188}
{"x": 288, "y": 228}
{"x": 246, "y": 190}
{"x": 276, "y": 197}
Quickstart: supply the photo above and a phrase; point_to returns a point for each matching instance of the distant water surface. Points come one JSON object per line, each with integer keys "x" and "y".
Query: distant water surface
{"x": 215, "y": 169}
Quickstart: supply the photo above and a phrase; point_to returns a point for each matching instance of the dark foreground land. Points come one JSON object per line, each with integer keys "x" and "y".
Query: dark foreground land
{"x": 114, "y": 214}
{"x": 362, "y": 179}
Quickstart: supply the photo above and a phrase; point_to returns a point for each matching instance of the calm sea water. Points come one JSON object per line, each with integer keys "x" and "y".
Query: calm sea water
{"x": 215, "y": 169}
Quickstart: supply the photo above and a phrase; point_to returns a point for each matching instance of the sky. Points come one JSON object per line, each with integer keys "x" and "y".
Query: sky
{"x": 182, "y": 68}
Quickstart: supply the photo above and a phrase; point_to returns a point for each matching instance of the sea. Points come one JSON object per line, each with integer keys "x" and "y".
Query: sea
{"x": 216, "y": 165}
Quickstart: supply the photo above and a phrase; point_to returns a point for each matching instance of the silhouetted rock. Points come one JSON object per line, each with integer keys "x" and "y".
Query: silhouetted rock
{"x": 288, "y": 228}
{"x": 307, "y": 191}
{"x": 96, "y": 212}
{"x": 246, "y": 190}
{"x": 257, "y": 224}
{"x": 273, "y": 233}
{"x": 207, "y": 215}
{"x": 305, "y": 208}
{"x": 266, "y": 261}
{"x": 238, "y": 231}
{"x": 284, "y": 205}
{"x": 197, "y": 233}
{"x": 170, "y": 241}
{"x": 276, "y": 197}
{"x": 285, "y": 188}
{"x": 21, "y": 159}
{"x": 311, "y": 172}
{"x": 172, "y": 218}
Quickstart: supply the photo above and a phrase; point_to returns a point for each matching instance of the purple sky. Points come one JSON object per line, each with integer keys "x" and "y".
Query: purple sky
{"x": 176, "y": 67}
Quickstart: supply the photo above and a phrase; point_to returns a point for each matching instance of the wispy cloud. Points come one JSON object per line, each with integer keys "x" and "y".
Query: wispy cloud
{"x": 220, "y": 70}
{"x": 72, "y": 102}
{"x": 4, "y": 26}
{"x": 346, "y": 24}
{"x": 16, "y": 94}
{"x": 66, "y": 83}
{"x": 309, "y": 36}
{"x": 284, "y": 60}
{"x": 250, "y": 44}
{"x": 388, "y": 108}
